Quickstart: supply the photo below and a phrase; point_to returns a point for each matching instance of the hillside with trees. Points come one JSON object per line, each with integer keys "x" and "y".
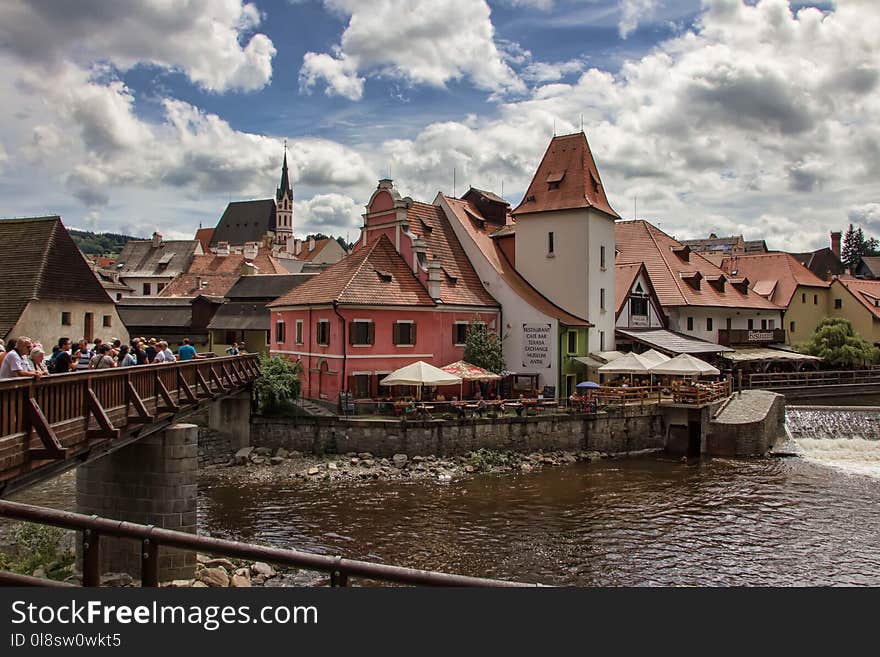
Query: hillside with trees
{"x": 102, "y": 244}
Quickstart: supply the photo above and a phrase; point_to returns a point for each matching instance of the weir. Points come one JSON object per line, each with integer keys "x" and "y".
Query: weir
{"x": 842, "y": 437}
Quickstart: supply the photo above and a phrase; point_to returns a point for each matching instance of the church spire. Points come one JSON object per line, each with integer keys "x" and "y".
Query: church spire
{"x": 285, "y": 182}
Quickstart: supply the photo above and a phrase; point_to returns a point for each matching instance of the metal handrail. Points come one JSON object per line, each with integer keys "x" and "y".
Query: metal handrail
{"x": 152, "y": 538}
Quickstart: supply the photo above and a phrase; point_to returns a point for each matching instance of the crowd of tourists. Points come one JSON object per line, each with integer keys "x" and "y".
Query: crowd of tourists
{"x": 24, "y": 357}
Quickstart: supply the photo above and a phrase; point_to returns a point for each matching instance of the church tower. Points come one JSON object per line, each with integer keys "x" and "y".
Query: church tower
{"x": 284, "y": 206}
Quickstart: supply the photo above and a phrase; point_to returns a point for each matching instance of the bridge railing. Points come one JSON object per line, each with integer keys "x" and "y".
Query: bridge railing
{"x": 153, "y": 538}
{"x": 69, "y": 413}
{"x": 814, "y": 378}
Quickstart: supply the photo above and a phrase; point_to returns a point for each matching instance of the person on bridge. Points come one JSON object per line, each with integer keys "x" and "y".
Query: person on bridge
{"x": 62, "y": 362}
{"x": 187, "y": 351}
{"x": 83, "y": 355}
{"x": 151, "y": 350}
{"x": 16, "y": 362}
{"x": 38, "y": 359}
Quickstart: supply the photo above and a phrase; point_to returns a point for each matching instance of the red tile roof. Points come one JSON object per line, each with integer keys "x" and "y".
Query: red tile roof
{"x": 305, "y": 254}
{"x": 567, "y": 178}
{"x": 774, "y": 275}
{"x": 468, "y": 215}
{"x": 640, "y": 242}
{"x": 866, "y": 291}
{"x": 460, "y": 283}
{"x": 231, "y": 264}
{"x": 204, "y": 236}
{"x": 624, "y": 277}
{"x": 192, "y": 285}
{"x": 361, "y": 278}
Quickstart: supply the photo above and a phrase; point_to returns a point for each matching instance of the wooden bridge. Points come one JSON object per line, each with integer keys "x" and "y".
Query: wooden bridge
{"x": 61, "y": 421}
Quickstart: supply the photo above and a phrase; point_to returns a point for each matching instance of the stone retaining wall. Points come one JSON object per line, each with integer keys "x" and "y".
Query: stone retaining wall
{"x": 626, "y": 430}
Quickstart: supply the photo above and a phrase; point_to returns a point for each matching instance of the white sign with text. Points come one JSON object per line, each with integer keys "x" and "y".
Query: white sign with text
{"x": 537, "y": 346}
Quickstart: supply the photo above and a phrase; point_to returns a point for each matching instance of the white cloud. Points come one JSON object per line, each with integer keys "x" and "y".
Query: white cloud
{"x": 552, "y": 71}
{"x": 205, "y": 39}
{"x": 335, "y": 214}
{"x": 632, "y": 13}
{"x": 429, "y": 42}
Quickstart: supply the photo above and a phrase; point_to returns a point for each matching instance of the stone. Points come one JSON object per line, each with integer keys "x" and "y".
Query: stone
{"x": 399, "y": 460}
{"x": 367, "y": 463}
{"x": 469, "y": 469}
{"x": 283, "y": 453}
{"x": 418, "y": 459}
{"x": 263, "y": 451}
{"x": 264, "y": 569}
{"x": 365, "y": 455}
{"x": 525, "y": 467}
{"x": 199, "y": 585}
{"x": 258, "y": 460}
{"x": 276, "y": 460}
{"x": 222, "y": 563}
{"x": 241, "y": 456}
{"x": 241, "y": 581}
{"x": 39, "y": 572}
{"x": 444, "y": 477}
{"x": 332, "y": 466}
{"x": 295, "y": 454}
{"x": 314, "y": 470}
{"x": 116, "y": 579}
{"x": 354, "y": 461}
{"x": 214, "y": 577}
{"x": 181, "y": 583}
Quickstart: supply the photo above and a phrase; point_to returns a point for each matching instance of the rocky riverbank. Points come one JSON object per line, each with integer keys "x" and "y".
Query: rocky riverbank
{"x": 261, "y": 464}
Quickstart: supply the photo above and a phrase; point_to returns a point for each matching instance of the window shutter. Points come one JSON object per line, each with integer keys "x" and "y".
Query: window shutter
{"x": 396, "y": 333}
{"x": 351, "y": 335}
{"x": 412, "y": 333}
{"x": 350, "y": 387}
{"x": 371, "y": 332}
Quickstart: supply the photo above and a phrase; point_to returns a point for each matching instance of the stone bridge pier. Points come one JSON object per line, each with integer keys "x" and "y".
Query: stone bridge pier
{"x": 153, "y": 481}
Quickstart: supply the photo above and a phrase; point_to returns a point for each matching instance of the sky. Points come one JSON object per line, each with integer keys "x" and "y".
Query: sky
{"x": 729, "y": 116}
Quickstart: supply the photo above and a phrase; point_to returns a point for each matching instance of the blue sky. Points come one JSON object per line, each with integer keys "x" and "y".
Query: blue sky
{"x": 717, "y": 115}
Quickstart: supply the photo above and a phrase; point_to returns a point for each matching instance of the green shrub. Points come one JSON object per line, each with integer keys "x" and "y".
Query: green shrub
{"x": 37, "y": 546}
{"x": 487, "y": 459}
{"x": 278, "y": 383}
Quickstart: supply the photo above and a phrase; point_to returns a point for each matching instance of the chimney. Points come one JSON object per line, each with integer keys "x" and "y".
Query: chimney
{"x": 250, "y": 250}
{"x": 434, "y": 274}
{"x": 835, "y": 242}
{"x": 297, "y": 247}
{"x": 289, "y": 245}
{"x": 157, "y": 240}
{"x": 222, "y": 248}
{"x": 311, "y": 244}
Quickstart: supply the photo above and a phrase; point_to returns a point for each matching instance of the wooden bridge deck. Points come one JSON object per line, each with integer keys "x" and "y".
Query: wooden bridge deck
{"x": 61, "y": 421}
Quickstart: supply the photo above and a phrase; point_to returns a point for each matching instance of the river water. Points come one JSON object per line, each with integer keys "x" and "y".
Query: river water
{"x": 797, "y": 521}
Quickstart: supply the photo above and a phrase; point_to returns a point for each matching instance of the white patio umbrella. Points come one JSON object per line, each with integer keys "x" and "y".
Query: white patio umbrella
{"x": 685, "y": 365}
{"x": 420, "y": 374}
{"x": 630, "y": 363}
{"x": 655, "y": 357}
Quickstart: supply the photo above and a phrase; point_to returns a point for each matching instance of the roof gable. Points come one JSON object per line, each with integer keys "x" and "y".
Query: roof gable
{"x": 170, "y": 258}
{"x": 776, "y": 275}
{"x": 566, "y": 178}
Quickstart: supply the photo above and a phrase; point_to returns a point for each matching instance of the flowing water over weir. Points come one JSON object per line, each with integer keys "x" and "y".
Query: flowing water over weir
{"x": 844, "y": 437}
{"x": 612, "y": 522}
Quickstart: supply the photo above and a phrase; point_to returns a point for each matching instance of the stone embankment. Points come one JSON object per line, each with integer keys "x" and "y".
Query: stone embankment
{"x": 261, "y": 464}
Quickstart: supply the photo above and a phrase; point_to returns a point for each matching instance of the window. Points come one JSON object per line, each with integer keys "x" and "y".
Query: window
{"x": 572, "y": 342}
{"x": 601, "y": 340}
{"x": 602, "y": 256}
{"x": 268, "y": 337}
{"x": 602, "y": 298}
{"x": 107, "y": 321}
{"x": 279, "y": 331}
{"x": 119, "y": 296}
{"x": 65, "y": 319}
{"x": 803, "y": 297}
{"x": 360, "y": 385}
{"x": 146, "y": 289}
{"x": 763, "y": 324}
{"x": 708, "y": 323}
{"x": 751, "y": 324}
{"x": 690, "y": 324}
{"x": 729, "y": 323}
{"x": 550, "y": 244}
{"x": 299, "y": 331}
{"x": 791, "y": 327}
{"x": 638, "y": 306}
{"x": 231, "y": 336}
{"x": 771, "y": 324}
{"x": 322, "y": 332}
{"x": 360, "y": 332}
{"x": 815, "y": 299}
{"x": 838, "y": 304}
{"x": 404, "y": 333}
{"x": 459, "y": 333}
{"x": 160, "y": 287}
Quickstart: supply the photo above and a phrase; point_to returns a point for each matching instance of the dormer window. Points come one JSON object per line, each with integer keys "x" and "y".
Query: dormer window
{"x": 594, "y": 182}
{"x": 740, "y": 284}
{"x": 385, "y": 276}
{"x": 554, "y": 179}
{"x": 692, "y": 278}
{"x": 717, "y": 282}
{"x": 683, "y": 251}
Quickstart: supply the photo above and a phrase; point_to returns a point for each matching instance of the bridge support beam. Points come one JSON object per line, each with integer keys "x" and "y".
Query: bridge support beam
{"x": 153, "y": 482}
{"x": 232, "y": 416}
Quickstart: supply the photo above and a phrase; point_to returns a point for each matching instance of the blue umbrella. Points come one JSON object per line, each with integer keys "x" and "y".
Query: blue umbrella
{"x": 588, "y": 384}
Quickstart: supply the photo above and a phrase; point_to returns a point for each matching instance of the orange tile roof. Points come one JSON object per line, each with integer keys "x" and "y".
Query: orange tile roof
{"x": 375, "y": 274}
{"x": 192, "y": 285}
{"x": 217, "y": 264}
{"x": 204, "y": 236}
{"x": 640, "y": 242}
{"x": 468, "y": 215}
{"x": 460, "y": 283}
{"x": 305, "y": 254}
{"x": 773, "y": 274}
{"x": 567, "y": 178}
{"x": 866, "y": 291}
{"x": 624, "y": 277}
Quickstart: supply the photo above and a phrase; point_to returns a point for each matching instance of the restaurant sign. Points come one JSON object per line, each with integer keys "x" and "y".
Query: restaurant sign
{"x": 536, "y": 346}
{"x": 760, "y": 336}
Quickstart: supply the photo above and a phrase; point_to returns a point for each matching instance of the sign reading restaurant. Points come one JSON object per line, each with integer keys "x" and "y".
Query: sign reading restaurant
{"x": 536, "y": 346}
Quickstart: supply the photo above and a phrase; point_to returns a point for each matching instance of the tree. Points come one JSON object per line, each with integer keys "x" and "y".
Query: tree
{"x": 836, "y": 342}
{"x": 849, "y": 250}
{"x": 483, "y": 348}
{"x": 278, "y": 382}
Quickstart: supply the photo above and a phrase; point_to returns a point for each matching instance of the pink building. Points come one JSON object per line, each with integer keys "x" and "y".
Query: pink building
{"x": 407, "y": 293}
